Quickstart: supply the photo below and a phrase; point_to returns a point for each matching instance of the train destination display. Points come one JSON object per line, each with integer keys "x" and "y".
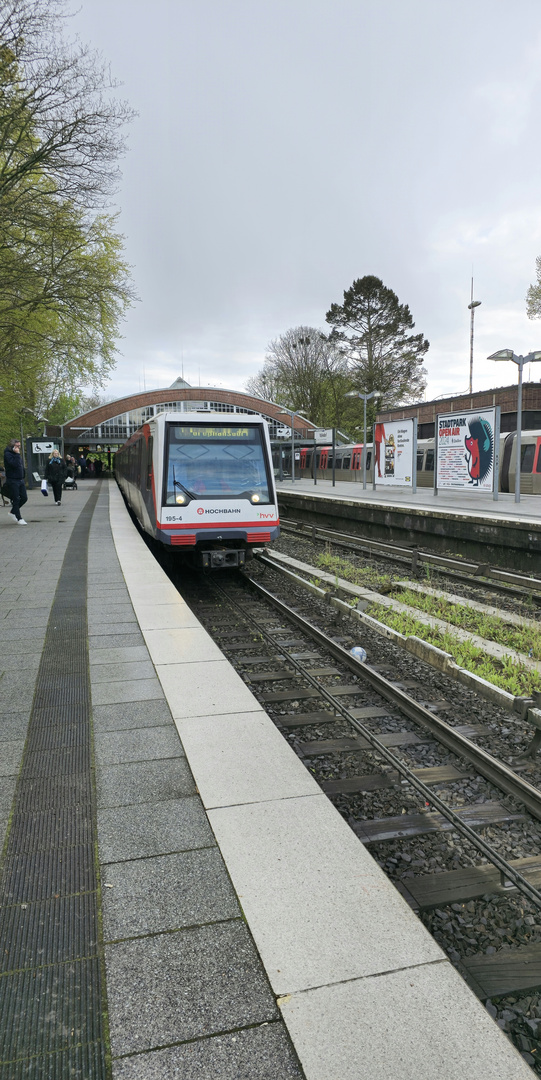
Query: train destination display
{"x": 466, "y": 450}
{"x": 393, "y": 453}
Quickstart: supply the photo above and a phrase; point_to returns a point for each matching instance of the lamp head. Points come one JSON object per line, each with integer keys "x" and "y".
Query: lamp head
{"x": 501, "y": 354}
{"x": 475, "y": 303}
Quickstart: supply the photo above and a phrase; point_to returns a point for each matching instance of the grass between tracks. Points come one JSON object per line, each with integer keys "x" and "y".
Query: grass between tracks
{"x": 507, "y": 673}
{"x": 523, "y": 639}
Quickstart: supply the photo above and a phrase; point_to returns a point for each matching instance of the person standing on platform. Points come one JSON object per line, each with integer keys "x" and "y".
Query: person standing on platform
{"x": 55, "y": 473}
{"x": 13, "y": 464}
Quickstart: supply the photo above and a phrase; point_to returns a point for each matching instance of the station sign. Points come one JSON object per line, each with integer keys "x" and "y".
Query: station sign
{"x": 322, "y": 435}
{"x": 43, "y": 447}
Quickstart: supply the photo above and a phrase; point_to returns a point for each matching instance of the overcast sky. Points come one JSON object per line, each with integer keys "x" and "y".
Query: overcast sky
{"x": 284, "y": 148}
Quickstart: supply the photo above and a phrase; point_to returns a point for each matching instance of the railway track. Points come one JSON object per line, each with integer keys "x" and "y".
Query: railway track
{"x": 503, "y": 582}
{"x": 397, "y": 771}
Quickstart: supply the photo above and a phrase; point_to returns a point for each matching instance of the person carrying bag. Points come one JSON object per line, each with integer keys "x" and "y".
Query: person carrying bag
{"x": 55, "y": 473}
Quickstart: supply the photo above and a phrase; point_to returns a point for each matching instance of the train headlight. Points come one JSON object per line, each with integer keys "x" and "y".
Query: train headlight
{"x": 254, "y": 498}
{"x": 180, "y": 499}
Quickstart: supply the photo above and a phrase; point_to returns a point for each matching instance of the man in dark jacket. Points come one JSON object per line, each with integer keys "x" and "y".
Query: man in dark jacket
{"x": 13, "y": 464}
{"x": 56, "y": 472}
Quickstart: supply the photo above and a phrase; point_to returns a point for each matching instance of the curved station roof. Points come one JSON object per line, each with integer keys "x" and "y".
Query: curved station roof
{"x": 115, "y": 421}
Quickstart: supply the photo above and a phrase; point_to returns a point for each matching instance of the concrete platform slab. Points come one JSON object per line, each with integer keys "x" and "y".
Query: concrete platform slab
{"x": 189, "y": 984}
{"x": 418, "y": 1024}
{"x": 260, "y": 1053}
{"x": 114, "y": 692}
{"x": 242, "y": 758}
{"x": 10, "y": 756}
{"x": 157, "y": 592}
{"x": 165, "y": 617}
{"x": 153, "y": 829}
{"x": 144, "y": 782}
{"x": 7, "y": 791}
{"x": 181, "y": 646}
{"x": 166, "y": 893}
{"x": 123, "y": 639}
{"x": 97, "y": 628}
{"x": 137, "y": 744}
{"x": 121, "y": 672}
{"x": 123, "y": 654}
{"x": 13, "y": 725}
{"x": 123, "y": 715}
{"x": 204, "y": 689}
{"x": 320, "y": 908}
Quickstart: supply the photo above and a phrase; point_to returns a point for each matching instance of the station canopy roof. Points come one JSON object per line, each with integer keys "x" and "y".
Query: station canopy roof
{"x": 112, "y": 423}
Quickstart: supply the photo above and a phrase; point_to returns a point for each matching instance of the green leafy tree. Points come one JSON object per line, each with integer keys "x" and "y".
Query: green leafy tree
{"x": 371, "y": 329}
{"x": 64, "y": 286}
{"x": 533, "y": 296}
{"x": 304, "y": 372}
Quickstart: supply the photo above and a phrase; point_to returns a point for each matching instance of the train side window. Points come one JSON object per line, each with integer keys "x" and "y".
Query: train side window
{"x": 538, "y": 448}
{"x": 149, "y": 463}
{"x": 526, "y": 458}
{"x": 338, "y": 463}
{"x": 368, "y": 459}
{"x": 429, "y": 461}
{"x": 346, "y": 463}
{"x": 420, "y": 456}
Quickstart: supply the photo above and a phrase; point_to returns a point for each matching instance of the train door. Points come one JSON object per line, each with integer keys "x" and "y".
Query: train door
{"x": 506, "y": 460}
{"x": 324, "y": 458}
{"x": 536, "y": 470}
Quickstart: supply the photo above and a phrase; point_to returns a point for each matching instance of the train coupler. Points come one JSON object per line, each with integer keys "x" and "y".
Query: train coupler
{"x": 225, "y": 557}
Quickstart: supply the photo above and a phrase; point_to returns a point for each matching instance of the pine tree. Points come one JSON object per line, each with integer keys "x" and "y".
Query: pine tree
{"x": 372, "y": 330}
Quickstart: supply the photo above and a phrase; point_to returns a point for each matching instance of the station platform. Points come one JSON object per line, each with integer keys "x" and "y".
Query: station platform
{"x": 177, "y": 896}
{"x": 471, "y": 523}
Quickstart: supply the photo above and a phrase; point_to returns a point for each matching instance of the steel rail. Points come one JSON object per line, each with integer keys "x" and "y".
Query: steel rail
{"x": 498, "y": 773}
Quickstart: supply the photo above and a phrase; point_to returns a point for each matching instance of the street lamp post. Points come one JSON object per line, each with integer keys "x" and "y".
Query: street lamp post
{"x": 292, "y": 414}
{"x": 520, "y": 361}
{"x": 471, "y": 308}
{"x": 364, "y": 398}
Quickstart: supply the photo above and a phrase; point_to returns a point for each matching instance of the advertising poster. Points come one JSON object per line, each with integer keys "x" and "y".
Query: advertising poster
{"x": 465, "y": 450}
{"x": 393, "y": 453}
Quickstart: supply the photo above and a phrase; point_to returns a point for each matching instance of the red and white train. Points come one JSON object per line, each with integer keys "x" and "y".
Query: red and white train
{"x": 348, "y": 462}
{"x": 204, "y": 487}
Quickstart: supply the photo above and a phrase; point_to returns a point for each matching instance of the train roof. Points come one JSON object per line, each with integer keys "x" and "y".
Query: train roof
{"x": 205, "y": 417}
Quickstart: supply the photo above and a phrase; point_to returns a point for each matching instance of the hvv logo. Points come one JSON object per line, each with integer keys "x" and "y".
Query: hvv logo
{"x": 265, "y": 516}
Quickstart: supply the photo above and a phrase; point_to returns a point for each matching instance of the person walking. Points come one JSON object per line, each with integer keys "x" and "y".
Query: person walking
{"x": 55, "y": 473}
{"x": 13, "y": 464}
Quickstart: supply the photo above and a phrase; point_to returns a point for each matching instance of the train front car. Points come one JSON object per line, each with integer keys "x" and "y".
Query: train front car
{"x": 217, "y": 494}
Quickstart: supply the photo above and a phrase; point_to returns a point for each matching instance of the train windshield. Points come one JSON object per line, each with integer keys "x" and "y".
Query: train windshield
{"x": 210, "y": 460}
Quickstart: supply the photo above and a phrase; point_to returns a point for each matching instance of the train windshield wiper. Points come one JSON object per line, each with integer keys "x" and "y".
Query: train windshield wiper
{"x": 177, "y": 483}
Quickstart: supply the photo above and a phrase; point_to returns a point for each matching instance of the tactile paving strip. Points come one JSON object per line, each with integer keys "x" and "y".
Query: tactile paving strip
{"x": 51, "y": 993}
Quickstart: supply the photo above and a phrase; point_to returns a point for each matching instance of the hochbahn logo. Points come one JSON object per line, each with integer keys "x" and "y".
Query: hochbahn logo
{"x": 219, "y": 510}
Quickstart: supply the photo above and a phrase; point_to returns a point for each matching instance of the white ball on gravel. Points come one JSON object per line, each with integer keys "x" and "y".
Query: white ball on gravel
{"x": 359, "y": 653}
